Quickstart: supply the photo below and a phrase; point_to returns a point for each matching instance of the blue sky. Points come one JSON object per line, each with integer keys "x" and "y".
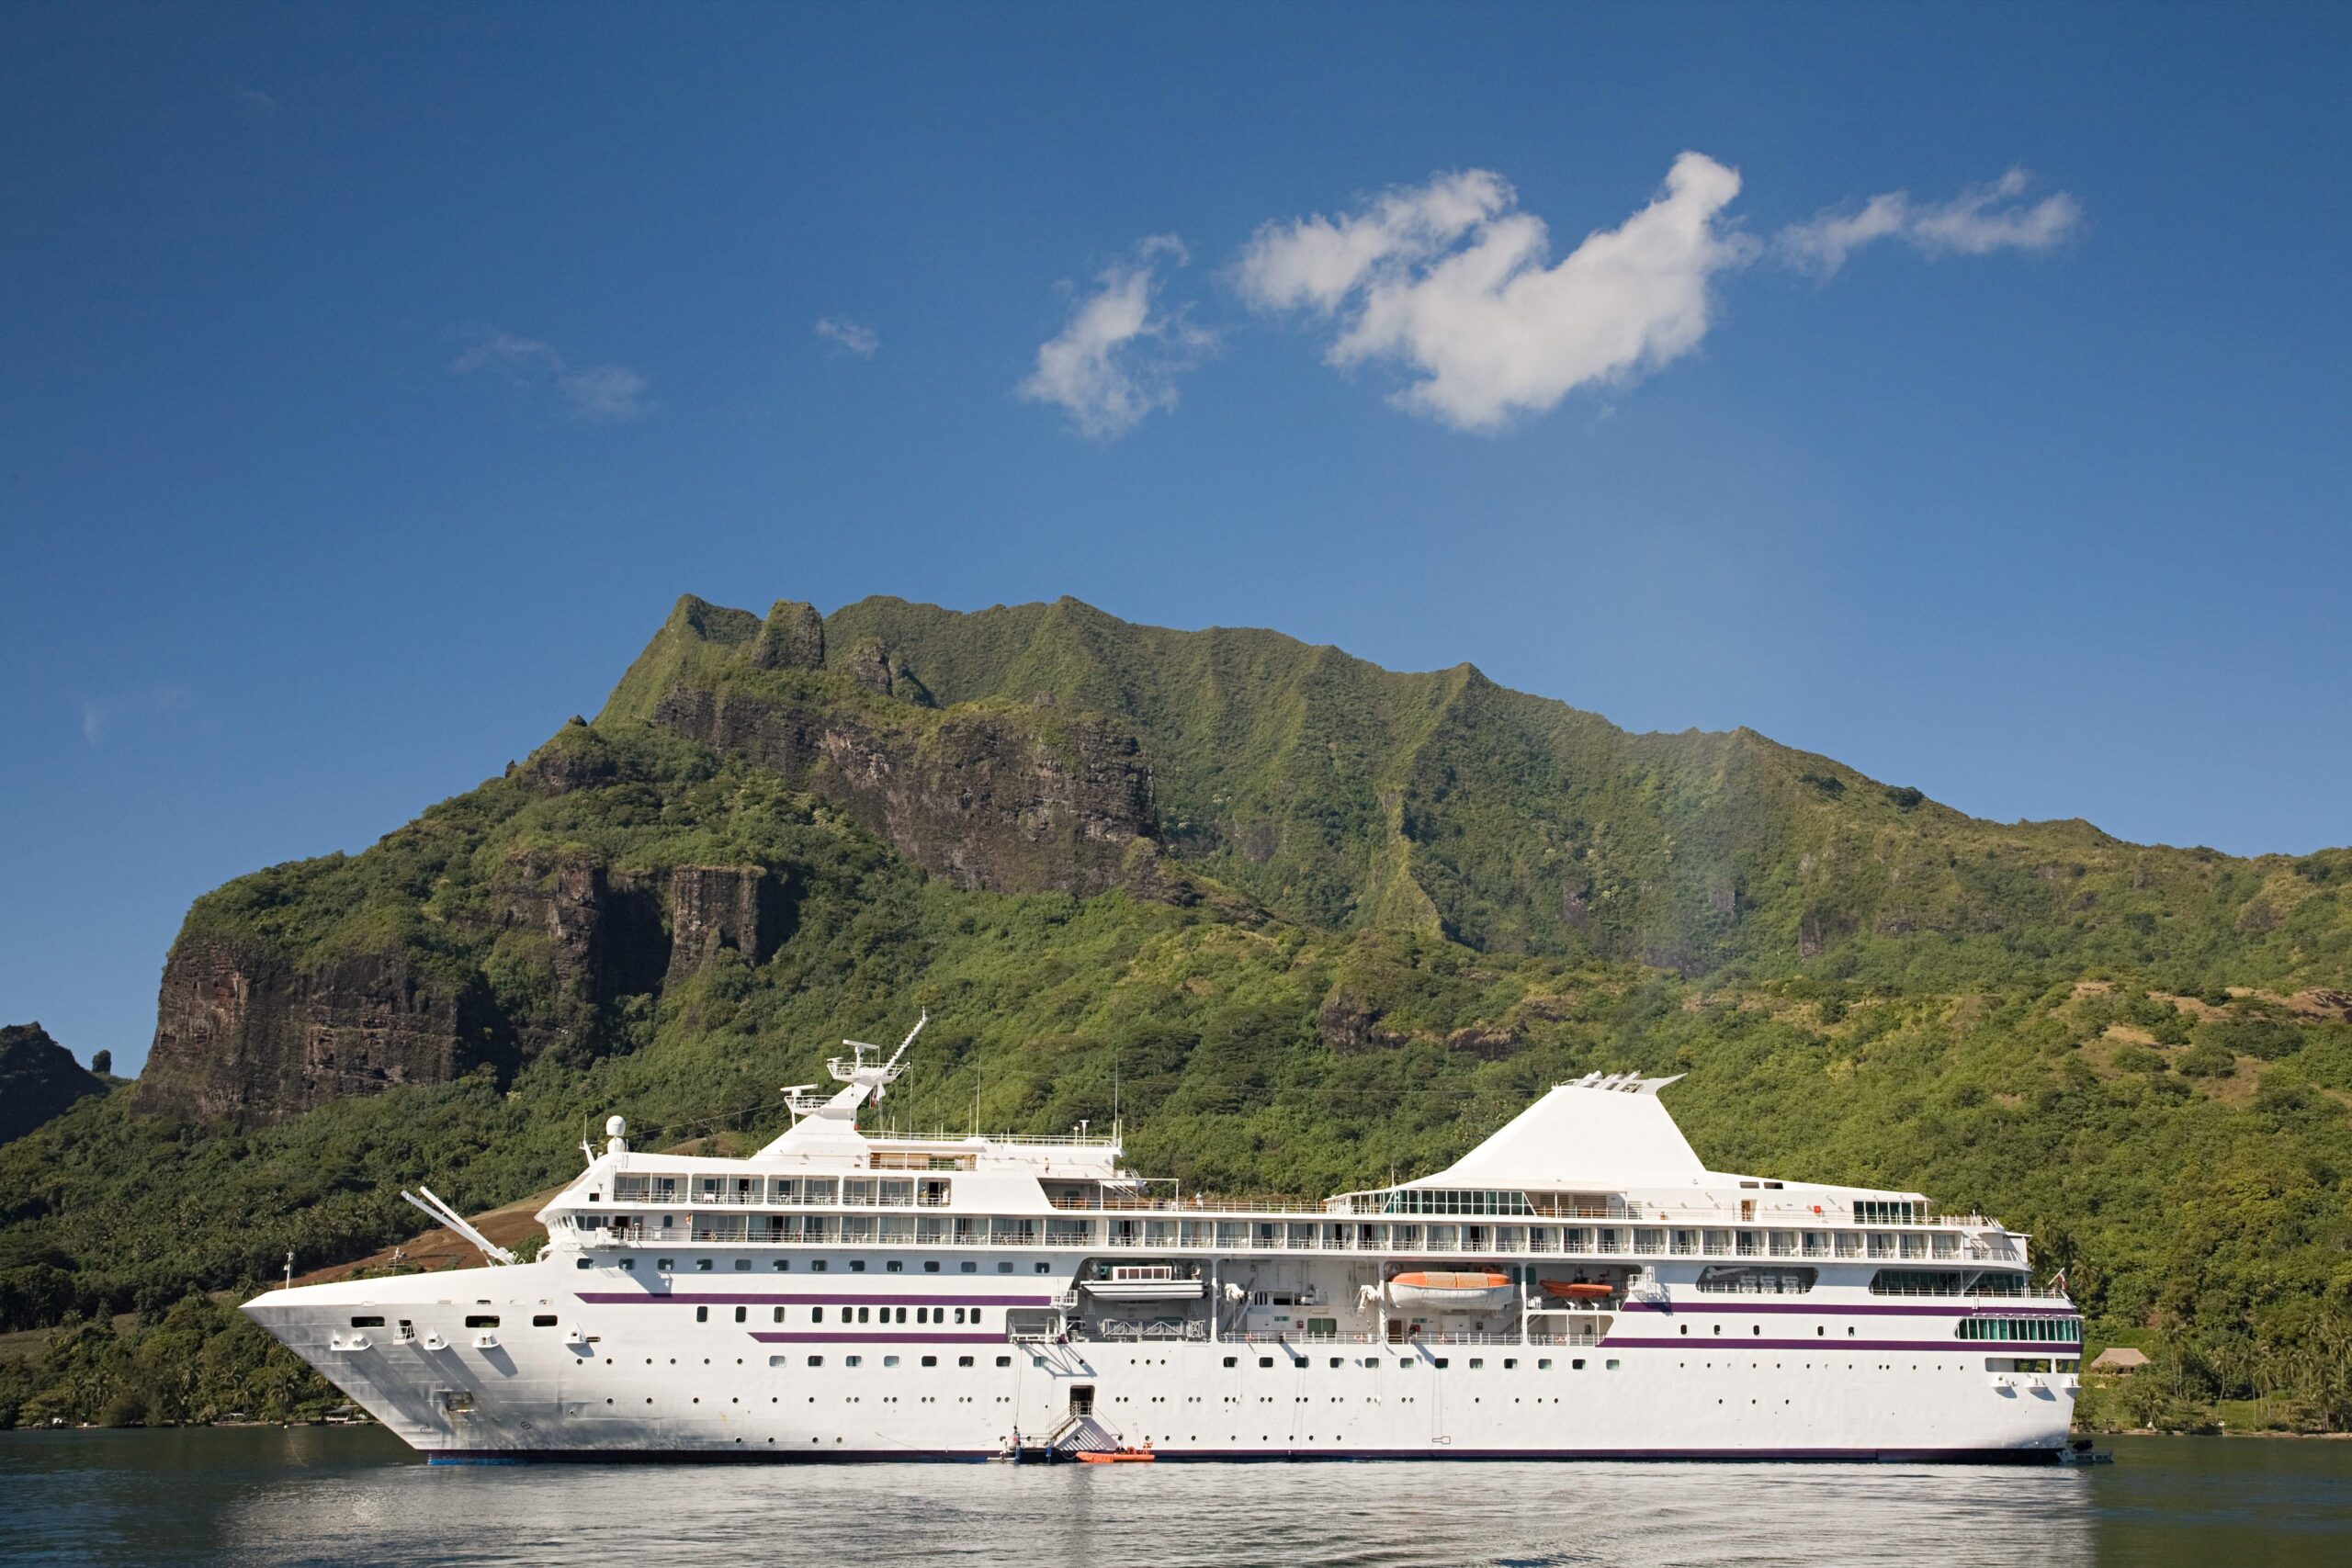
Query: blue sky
{"x": 372, "y": 379}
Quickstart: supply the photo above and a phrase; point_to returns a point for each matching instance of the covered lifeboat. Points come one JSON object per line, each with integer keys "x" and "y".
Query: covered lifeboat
{"x": 1577, "y": 1290}
{"x": 1443, "y": 1290}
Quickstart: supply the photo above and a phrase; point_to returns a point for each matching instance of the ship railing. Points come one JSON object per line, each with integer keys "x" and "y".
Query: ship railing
{"x": 1282, "y": 1337}
{"x": 1974, "y": 1294}
{"x": 1094, "y": 1203}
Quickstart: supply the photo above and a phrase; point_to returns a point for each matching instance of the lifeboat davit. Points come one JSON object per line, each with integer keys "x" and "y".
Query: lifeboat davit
{"x": 1577, "y": 1290}
{"x": 1444, "y": 1289}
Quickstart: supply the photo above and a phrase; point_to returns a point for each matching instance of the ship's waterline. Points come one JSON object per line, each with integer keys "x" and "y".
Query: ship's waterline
{"x": 1577, "y": 1287}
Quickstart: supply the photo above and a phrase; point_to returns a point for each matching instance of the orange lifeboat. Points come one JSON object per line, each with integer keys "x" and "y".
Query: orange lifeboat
{"x": 1577, "y": 1290}
{"x": 1118, "y": 1456}
{"x": 1450, "y": 1289}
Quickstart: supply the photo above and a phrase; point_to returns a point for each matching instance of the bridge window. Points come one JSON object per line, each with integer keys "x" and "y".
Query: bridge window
{"x": 1915, "y": 1283}
{"x": 481, "y": 1322}
{"x": 366, "y": 1323}
{"x": 1756, "y": 1280}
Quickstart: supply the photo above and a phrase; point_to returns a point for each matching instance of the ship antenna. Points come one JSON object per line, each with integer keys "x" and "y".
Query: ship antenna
{"x": 909, "y": 1040}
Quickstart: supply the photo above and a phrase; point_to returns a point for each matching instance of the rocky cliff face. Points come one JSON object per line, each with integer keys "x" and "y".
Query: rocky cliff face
{"x": 40, "y": 1079}
{"x": 243, "y": 1036}
{"x": 1007, "y": 799}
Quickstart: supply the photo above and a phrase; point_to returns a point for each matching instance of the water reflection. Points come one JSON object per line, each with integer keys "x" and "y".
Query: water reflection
{"x": 268, "y": 1499}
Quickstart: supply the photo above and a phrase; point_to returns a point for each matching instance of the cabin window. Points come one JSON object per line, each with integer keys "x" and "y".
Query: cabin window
{"x": 743, "y": 1266}
{"x": 895, "y": 1267}
{"x": 543, "y": 1320}
{"x": 862, "y": 1314}
{"x": 931, "y": 1266}
{"x": 817, "y": 1265}
{"x": 890, "y": 1361}
{"x": 816, "y": 1314}
{"x": 858, "y": 1265}
{"x": 963, "y": 1360}
{"x": 1476, "y": 1362}
{"x": 779, "y": 1316}
{"x": 959, "y": 1315}
{"x": 852, "y": 1361}
{"x": 975, "y": 1316}
{"x": 628, "y": 1264}
{"x": 1437, "y": 1360}
{"x": 930, "y": 1361}
{"x": 702, "y": 1265}
{"x": 781, "y": 1265}
{"x": 1265, "y": 1360}
{"x": 971, "y": 1266}
{"x": 816, "y": 1361}
{"x": 1338, "y": 1361}
{"x": 483, "y": 1322}
{"x": 1005, "y": 1360}
{"x": 739, "y": 1314}
{"x": 1232, "y": 1360}
{"x": 366, "y": 1323}
{"x": 581, "y": 1264}
{"x": 1005, "y": 1267}
{"x": 1915, "y": 1283}
{"x": 902, "y": 1314}
{"x": 702, "y": 1315}
{"x": 1510, "y": 1364}
{"x": 1610, "y": 1365}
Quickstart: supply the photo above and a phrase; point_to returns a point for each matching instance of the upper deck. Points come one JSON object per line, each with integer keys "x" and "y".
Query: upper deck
{"x": 1595, "y": 1169}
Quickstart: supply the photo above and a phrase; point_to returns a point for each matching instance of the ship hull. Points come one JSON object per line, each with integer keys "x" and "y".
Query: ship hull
{"x": 644, "y": 1378}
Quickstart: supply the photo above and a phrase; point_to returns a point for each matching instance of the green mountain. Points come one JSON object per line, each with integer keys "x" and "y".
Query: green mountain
{"x": 1299, "y": 921}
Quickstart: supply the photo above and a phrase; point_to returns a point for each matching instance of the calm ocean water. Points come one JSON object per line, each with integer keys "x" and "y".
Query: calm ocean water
{"x": 267, "y": 1498}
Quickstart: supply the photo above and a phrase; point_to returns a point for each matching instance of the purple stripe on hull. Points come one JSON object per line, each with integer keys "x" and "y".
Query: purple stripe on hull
{"x": 796, "y": 1298}
{"x": 1997, "y": 1346}
{"x": 781, "y": 1455}
{"x": 1831, "y": 1310}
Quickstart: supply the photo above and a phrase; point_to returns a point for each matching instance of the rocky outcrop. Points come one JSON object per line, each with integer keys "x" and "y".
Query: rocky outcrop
{"x": 40, "y": 1080}
{"x": 1010, "y": 800}
{"x": 792, "y": 637}
{"x": 240, "y": 1036}
{"x": 745, "y": 909}
{"x": 1348, "y": 1026}
{"x": 243, "y": 1036}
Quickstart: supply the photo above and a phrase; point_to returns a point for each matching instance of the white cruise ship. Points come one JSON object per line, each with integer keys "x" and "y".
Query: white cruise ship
{"x": 1579, "y": 1286}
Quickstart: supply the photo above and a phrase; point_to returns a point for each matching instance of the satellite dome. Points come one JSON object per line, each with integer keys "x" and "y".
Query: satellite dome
{"x": 615, "y": 1126}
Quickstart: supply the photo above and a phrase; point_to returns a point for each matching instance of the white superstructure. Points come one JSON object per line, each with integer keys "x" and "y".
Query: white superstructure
{"x": 1578, "y": 1286}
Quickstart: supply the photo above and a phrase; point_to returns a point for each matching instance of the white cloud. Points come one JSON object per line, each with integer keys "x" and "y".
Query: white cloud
{"x": 1449, "y": 280}
{"x": 1316, "y": 261}
{"x": 849, "y": 337}
{"x": 1980, "y": 219}
{"x": 98, "y": 717}
{"x": 1116, "y": 360}
{"x": 607, "y": 394}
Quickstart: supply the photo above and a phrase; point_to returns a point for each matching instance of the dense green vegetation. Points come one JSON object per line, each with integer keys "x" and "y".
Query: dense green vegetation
{"x": 1445, "y": 897}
